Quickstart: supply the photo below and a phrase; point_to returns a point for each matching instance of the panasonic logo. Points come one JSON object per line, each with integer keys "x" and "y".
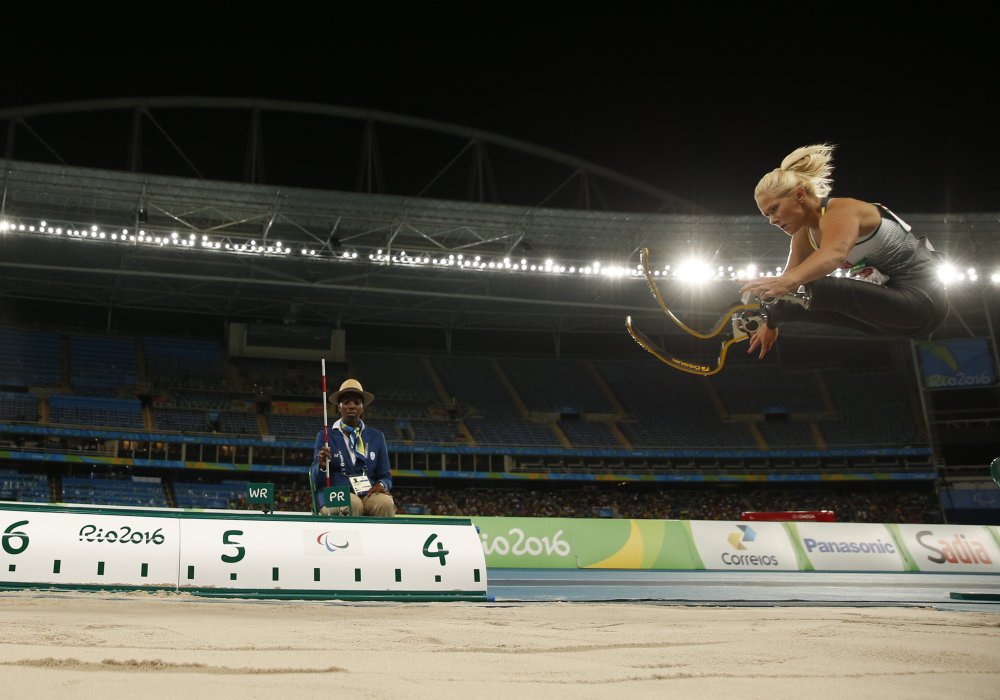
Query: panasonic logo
{"x": 847, "y": 547}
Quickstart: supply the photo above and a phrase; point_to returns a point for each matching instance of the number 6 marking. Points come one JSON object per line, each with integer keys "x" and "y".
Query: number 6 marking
{"x": 8, "y": 536}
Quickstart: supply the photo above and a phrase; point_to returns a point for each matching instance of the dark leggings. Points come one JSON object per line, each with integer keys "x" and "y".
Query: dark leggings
{"x": 911, "y": 304}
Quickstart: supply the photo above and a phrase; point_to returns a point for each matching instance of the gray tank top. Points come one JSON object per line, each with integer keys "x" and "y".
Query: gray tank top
{"x": 891, "y": 248}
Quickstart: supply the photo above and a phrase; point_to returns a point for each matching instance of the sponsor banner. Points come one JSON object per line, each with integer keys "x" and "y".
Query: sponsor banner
{"x": 957, "y": 364}
{"x": 743, "y": 546}
{"x": 40, "y": 546}
{"x": 590, "y": 543}
{"x": 848, "y": 547}
{"x": 951, "y": 548}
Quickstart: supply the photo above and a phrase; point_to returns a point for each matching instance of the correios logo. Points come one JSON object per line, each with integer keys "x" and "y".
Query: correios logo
{"x": 746, "y": 534}
{"x": 739, "y": 541}
{"x": 957, "y": 550}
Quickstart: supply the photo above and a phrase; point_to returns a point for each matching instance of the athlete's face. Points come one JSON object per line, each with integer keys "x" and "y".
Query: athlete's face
{"x": 786, "y": 212}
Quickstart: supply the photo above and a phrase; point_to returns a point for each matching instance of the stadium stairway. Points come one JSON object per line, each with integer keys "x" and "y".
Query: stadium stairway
{"x": 233, "y": 379}
{"x": 509, "y": 387}
{"x": 140, "y": 362}
{"x": 560, "y": 435}
{"x": 65, "y": 386}
{"x": 608, "y": 394}
{"x": 827, "y": 401}
{"x": 618, "y": 410}
{"x": 469, "y": 437}
{"x": 824, "y": 394}
{"x": 758, "y": 437}
{"x": 717, "y": 402}
{"x": 265, "y": 429}
{"x": 168, "y": 492}
{"x": 617, "y": 432}
{"x": 818, "y": 436}
{"x": 436, "y": 380}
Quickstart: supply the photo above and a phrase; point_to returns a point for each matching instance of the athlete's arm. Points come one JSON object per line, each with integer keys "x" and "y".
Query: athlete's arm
{"x": 840, "y": 228}
{"x": 799, "y": 249}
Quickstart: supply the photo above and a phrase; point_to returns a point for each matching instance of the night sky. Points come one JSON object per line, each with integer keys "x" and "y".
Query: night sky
{"x": 696, "y": 99}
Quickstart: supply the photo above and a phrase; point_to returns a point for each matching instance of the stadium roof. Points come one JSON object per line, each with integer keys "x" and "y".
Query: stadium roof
{"x": 129, "y": 240}
{"x": 126, "y": 239}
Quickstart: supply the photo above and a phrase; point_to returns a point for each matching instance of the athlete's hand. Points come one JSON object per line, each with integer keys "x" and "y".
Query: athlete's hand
{"x": 770, "y": 287}
{"x": 763, "y": 338}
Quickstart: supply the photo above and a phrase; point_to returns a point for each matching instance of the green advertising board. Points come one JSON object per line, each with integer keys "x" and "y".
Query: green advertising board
{"x": 586, "y": 543}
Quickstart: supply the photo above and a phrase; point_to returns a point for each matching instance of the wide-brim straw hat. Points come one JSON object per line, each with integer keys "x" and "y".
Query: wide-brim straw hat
{"x": 352, "y": 386}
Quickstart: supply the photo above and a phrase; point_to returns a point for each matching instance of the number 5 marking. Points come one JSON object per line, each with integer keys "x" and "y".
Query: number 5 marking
{"x": 240, "y": 551}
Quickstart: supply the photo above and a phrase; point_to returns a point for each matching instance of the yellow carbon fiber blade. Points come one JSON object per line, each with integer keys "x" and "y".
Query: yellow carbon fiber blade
{"x": 720, "y": 325}
{"x": 677, "y": 363}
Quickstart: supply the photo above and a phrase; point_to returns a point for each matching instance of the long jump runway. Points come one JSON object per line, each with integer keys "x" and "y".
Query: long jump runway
{"x": 753, "y": 588}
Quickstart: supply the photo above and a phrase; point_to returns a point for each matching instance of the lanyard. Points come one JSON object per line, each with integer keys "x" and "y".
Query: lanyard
{"x": 354, "y": 439}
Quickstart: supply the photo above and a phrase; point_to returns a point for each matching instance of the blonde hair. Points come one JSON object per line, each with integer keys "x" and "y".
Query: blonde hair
{"x": 810, "y": 167}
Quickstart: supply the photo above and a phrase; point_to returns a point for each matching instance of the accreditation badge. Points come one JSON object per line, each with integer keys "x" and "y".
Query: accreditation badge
{"x": 360, "y": 484}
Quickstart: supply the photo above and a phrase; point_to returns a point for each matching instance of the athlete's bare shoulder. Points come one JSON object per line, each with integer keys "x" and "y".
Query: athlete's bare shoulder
{"x": 865, "y": 213}
{"x": 840, "y": 203}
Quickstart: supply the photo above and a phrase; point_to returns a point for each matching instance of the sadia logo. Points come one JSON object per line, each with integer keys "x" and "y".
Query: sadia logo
{"x": 331, "y": 543}
{"x": 739, "y": 541}
{"x": 957, "y": 550}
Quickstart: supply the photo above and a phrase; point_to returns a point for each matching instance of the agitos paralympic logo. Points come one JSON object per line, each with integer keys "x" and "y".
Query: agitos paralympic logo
{"x": 330, "y": 543}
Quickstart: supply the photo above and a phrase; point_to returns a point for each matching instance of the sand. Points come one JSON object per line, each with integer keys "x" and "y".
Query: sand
{"x": 139, "y": 645}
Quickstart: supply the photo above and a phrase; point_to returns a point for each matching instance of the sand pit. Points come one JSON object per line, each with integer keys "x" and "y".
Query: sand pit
{"x": 167, "y": 645}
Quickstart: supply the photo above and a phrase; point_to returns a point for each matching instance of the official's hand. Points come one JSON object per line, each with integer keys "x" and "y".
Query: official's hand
{"x": 324, "y": 455}
{"x": 377, "y": 488}
{"x": 763, "y": 338}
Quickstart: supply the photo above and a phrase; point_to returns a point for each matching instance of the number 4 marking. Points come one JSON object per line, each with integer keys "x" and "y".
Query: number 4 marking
{"x": 441, "y": 551}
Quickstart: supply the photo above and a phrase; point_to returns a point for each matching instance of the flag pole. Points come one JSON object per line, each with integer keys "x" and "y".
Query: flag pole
{"x": 326, "y": 423}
